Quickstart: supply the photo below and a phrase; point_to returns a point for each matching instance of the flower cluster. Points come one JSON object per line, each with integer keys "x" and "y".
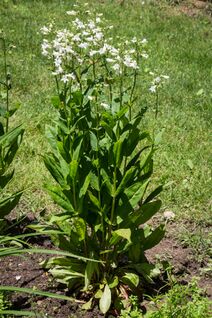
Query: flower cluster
{"x": 86, "y": 43}
{"x": 157, "y": 81}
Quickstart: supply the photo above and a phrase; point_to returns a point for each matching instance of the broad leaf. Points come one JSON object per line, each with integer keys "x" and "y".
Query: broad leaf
{"x": 105, "y": 300}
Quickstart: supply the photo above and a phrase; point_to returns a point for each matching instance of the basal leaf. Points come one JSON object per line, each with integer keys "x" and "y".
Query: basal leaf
{"x": 130, "y": 279}
{"x": 105, "y": 300}
{"x": 120, "y": 234}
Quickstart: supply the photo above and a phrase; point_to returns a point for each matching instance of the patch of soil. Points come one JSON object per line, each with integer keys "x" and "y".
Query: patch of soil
{"x": 182, "y": 259}
{"x": 192, "y": 8}
{"x": 25, "y": 271}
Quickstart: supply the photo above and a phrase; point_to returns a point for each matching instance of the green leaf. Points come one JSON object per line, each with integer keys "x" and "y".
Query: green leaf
{"x": 94, "y": 200}
{"x": 51, "y": 136}
{"x": 55, "y": 100}
{"x": 146, "y": 211}
{"x": 76, "y": 153}
{"x": 73, "y": 169}
{"x": 153, "y": 194}
{"x": 106, "y": 181}
{"x": 5, "y": 179}
{"x": 117, "y": 152}
{"x": 105, "y": 300}
{"x": 18, "y": 313}
{"x": 158, "y": 137}
{"x": 88, "y": 305}
{"x": 155, "y": 237}
{"x": 59, "y": 197}
{"x": 108, "y": 130}
{"x": 52, "y": 164}
{"x": 120, "y": 234}
{"x": 148, "y": 271}
{"x": 129, "y": 175}
{"x": 8, "y": 204}
{"x": 131, "y": 279}
{"x": 136, "y": 195}
{"x": 85, "y": 186}
{"x": 94, "y": 141}
{"x": 114, "y": 282}
{"x": 35, "y": 292}
{"x": 90, "y": 269}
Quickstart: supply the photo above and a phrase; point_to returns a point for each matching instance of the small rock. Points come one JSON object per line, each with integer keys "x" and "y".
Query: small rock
{"x": 168, "y": 215}
{"x": 18, "y": 277}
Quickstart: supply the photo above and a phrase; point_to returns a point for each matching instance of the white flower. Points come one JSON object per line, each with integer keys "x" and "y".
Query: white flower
{"x": 79, "y": 24}
{"x": 93, "y": 52}
{"x": 134, "y": 40}
{"x": 144, "y": 55}
{"x": 144, "y": 41}
{"x": 91, "y": 97}
{"x": 58, "y": 71}
{"x": 83, "y": 45}
{"x": 104, "y": 49}
{"x": 98, "y": 20}
{"x": 106, "y": 106}
{"x": 57, "y": 61}
{"x": 129, "y": 62}
{"x": 117, "y": 68}
{"x": 132, "y": 51}
{"x": 67, "y": 77}
{"x": 45, "y": 46}
{"x": 45, "y": 30}
{"x": 110, "y": 60}
{"x": 72, "y": 12}
{"x": 90, "y": 39}
{"x": 152, "y": 89}
{"x": 99, "y": 36}
{"x": 157, "y": 79}
{"x": 91, "y": 25}
{"x": 76, "y": 38}
{"x": 18, "y": 277}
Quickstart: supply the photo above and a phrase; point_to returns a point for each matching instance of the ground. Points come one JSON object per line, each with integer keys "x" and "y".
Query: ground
{"x": 27, "y": 272}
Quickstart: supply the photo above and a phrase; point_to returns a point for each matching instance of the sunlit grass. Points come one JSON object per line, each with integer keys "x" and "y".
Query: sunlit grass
{"x": 178, "y": 46}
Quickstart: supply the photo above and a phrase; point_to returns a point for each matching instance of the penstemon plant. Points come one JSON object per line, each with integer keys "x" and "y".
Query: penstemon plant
{"x": 101, "y": 162}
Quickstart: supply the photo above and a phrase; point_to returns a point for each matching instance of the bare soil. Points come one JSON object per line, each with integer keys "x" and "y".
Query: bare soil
{"x": 25, "y": 271}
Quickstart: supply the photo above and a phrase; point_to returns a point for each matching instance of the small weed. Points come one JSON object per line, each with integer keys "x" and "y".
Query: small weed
{"x": 199, "y": 240}
{"x": 182, "y": 301}
{"x": 133, "y": 310}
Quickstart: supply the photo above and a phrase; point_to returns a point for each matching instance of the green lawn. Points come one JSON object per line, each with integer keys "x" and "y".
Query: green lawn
{"x": 178, "y": 45}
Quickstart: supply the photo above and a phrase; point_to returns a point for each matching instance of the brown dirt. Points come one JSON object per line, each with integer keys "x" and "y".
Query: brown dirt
{"x": 182, "y": 260}
{"x": 192, "y": 8}
{"x": 26, "y": 272}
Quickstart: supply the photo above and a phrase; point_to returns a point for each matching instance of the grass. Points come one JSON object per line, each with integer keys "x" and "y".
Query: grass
{"x": 181, "y": 301}
{"x": 178, "y": 46}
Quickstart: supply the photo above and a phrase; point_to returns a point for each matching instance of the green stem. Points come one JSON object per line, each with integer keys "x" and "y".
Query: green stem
{"x": 7, "y": 83}
{"x": 114, "y": 199}
{"x": 109, "y": 83}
